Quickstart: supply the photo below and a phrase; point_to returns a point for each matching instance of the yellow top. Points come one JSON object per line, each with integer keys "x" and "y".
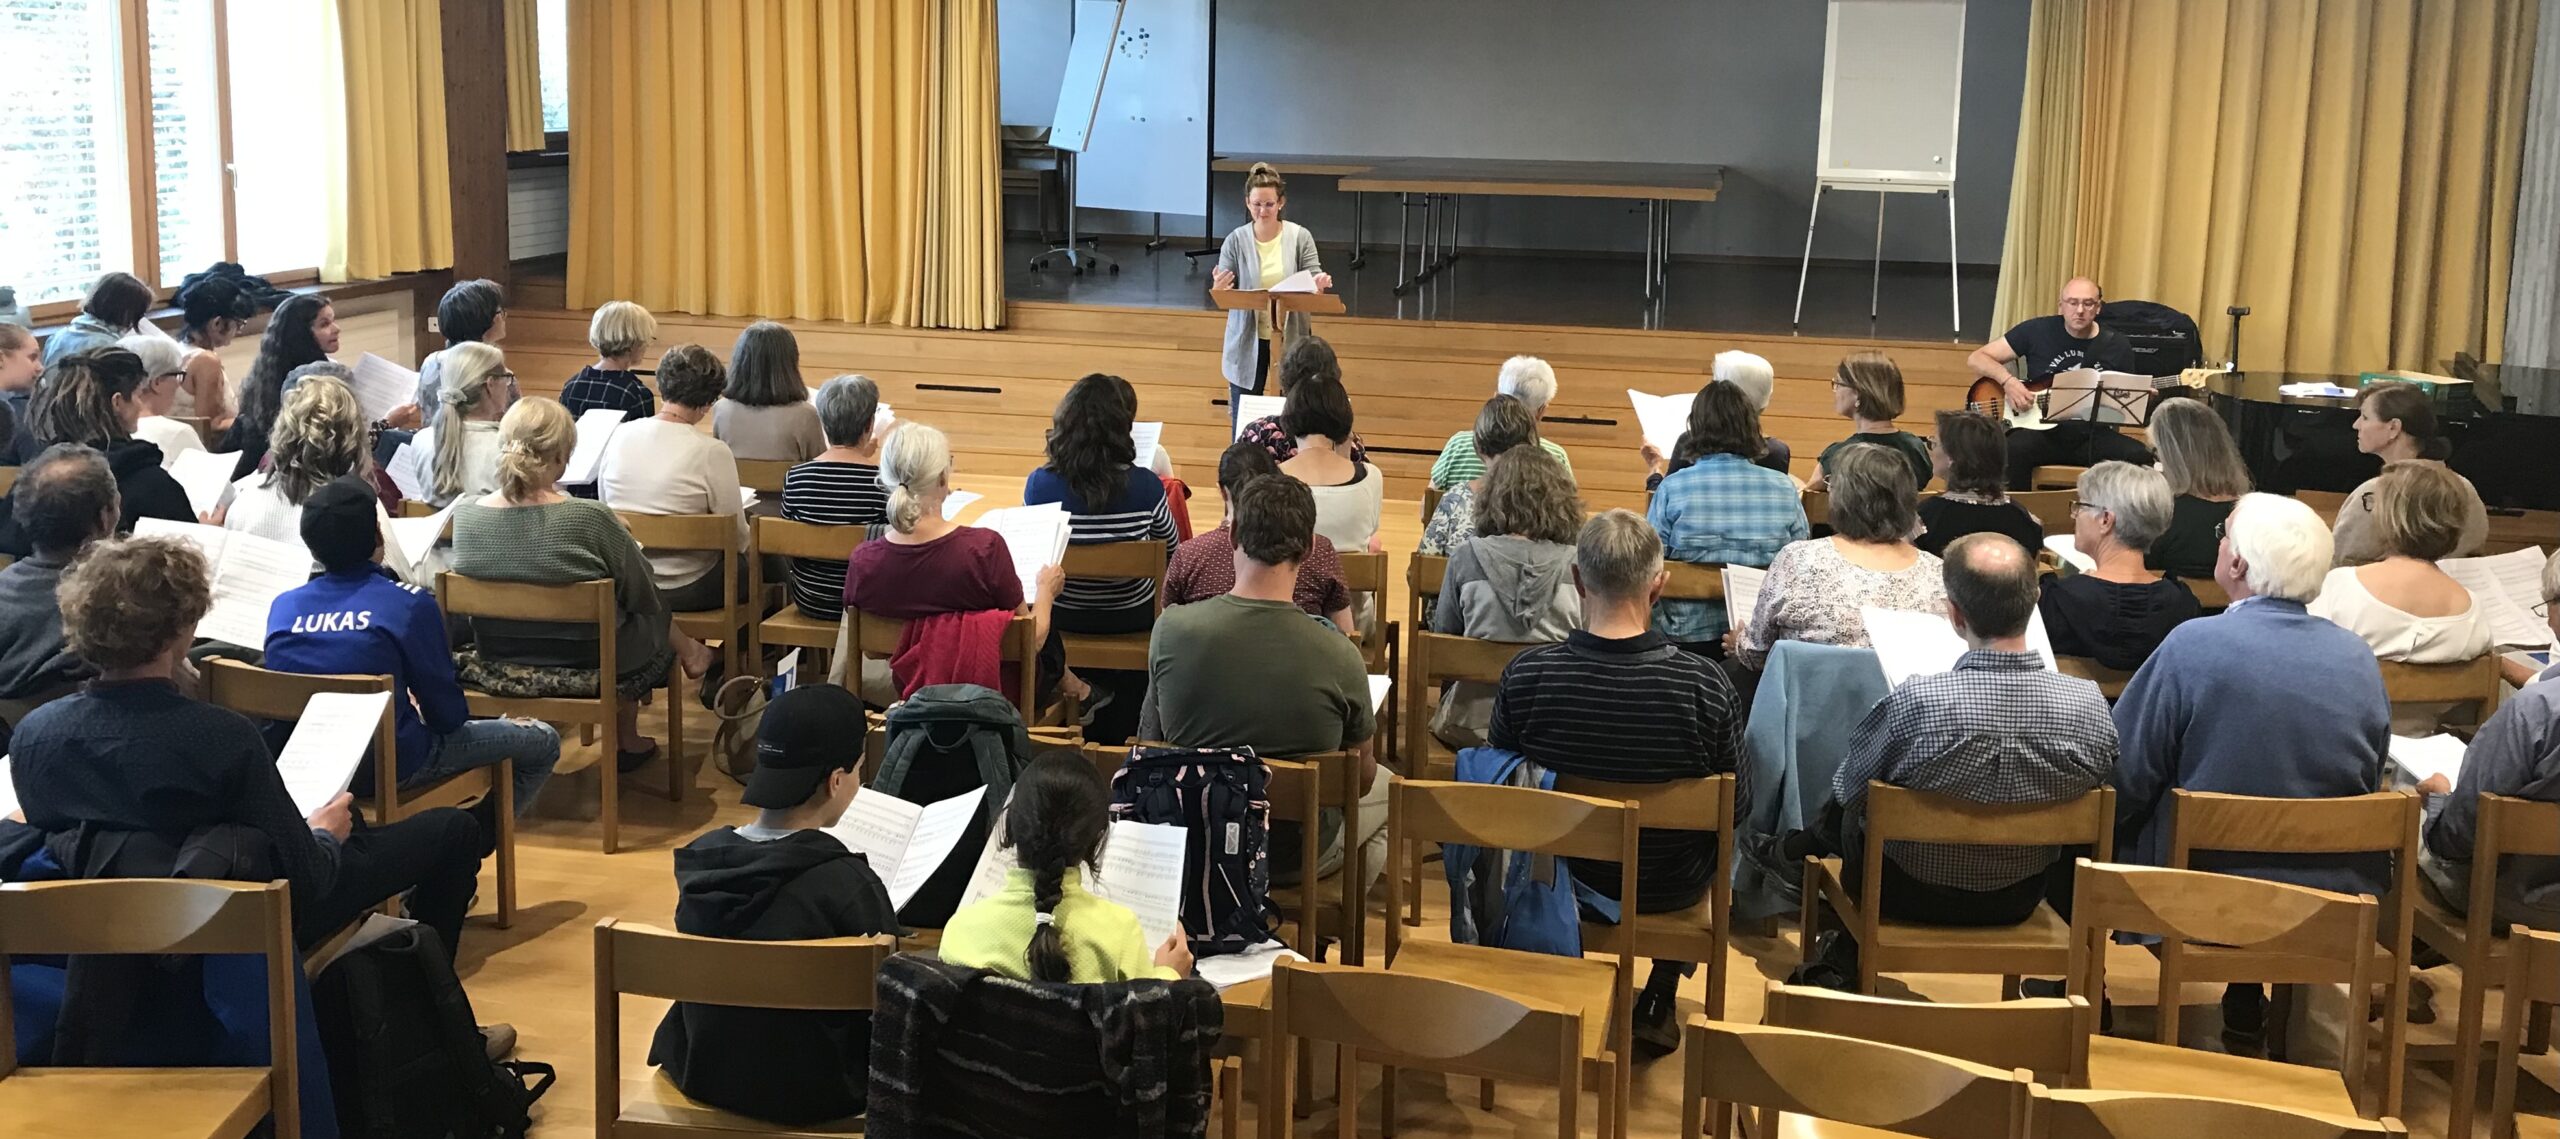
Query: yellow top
{"x": 1268, "y": 254}
{"x": 1102, "y": 938}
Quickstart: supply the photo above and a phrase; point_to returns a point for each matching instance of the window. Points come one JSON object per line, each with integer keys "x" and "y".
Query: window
{"x": 64, "y": 185}
{"x": 551, "y": 27}
{"x": 186, "y": 138}
{"x": 284, "y": 137}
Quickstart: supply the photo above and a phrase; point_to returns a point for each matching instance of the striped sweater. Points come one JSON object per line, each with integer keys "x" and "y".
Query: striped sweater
{"x": 1140, "y": 514}
{"x": 830, "y": 494}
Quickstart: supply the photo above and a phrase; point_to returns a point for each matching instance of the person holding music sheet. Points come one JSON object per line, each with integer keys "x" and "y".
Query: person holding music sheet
{"x": 2068, "y": 340}
{"x": 1259, "y": 254}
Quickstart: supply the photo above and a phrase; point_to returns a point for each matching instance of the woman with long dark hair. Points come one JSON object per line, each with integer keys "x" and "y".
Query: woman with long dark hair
{"x": 1043, "y": 926}
{"x": 216, "y": 309}
{"x": 764, "y": 412}
{"x": 302, "y": 330}
{"x": 1093, "y": 472}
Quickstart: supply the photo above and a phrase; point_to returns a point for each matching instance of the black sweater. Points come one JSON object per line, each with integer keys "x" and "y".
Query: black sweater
{"x": 147, "y": 491}
{"x": 2115, "y": 623}
{"x": 1947, "y": 520}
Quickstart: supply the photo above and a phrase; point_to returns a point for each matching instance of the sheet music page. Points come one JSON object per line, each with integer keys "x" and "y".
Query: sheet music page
{"x": 408, "y": 471}
{"x": 2496, "y": 583}
{"x": 882, "y": 420}
{"x": 206, "y": 477}
{"x": 1253, "y": 407}
{"x": 1302, "y": 281}
{"x": 1142, "y": 869}
{"x": 1742, "y": 594}
{"x": 1379, "y": 686}
{"x": 994, "y": 860}
{"x": 8, "y": 790}
{"x": 208, "y": 540}
{"x": 415, "y": 538}
{"x": 1912, "y": 644}
{"x": 1228, "y": 970}
{"x": 1036, "y": 536}
{"x": 939, "y": 829}
{"x": 328, "y": 744}
{"x": 2064, "y": 547}
{"x": 1663, "y": 417}
{"x": 381, "y": 385}
{"x": 878, "y": 826}
{"x": 956, "y": 502}
{"x": 2421, "y": 756}
{"x": 596, "y": 426}
{"x": 252, "y": 573}
{"x": 1145, "y": 436}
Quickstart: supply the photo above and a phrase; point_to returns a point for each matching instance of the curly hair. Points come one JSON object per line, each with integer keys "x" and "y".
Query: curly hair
{"x": 1528, "y": 493}
{"x": 690, "y": 376}
{"x": 128, "y": 600}
{"x": 319, "y": 436}
{"x": 1089, "y": 444}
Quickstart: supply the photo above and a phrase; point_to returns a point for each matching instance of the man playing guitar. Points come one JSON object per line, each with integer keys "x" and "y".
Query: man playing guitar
{"x": 2050, "y": 344}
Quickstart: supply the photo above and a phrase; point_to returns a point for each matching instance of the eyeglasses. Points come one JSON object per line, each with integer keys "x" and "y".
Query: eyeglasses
{"x": 2219, "y": 529}
{"x": 2080, "y": 504}
{"x": 2543, "y": 610}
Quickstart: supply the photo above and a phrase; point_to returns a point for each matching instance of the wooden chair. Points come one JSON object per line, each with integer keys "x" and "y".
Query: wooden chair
{"x": 764, "y": 476}
{"x": 1297, "y": 791}
{"x": 280, "y": 696}
{"x": 1701, "y": 932}
{"x": 2473, "y": 683}
{"x": 788, "y": 627}
{"x": 8, "y": 479}
{"x": 157, "y": 916}
{"x": 202, "y": 426}
{"x": 2210, "y": 596}
{"x": 1436, "y": 658}
{"x": 2039, "y": 946}
{"x": 1382, "y": 647}
{"x": 877, "y": 637}
{"x": 2048, "y": 1036}
{"x": 412, "y": 508}
{"x": 1423, "y": 574}
{"x": 1504, "y": 818}
{"x": 2383, "y": 823}
{"x": 2142, "y": 1115}
{"x": 2110, "y": 681}
{"x": 2056, "y": 478}
{"x": 1891, "y": 1089}
{"x": 1401, "y": 1020}
{"x": 2051, "y": 507}
{"x": 2533, "y": 986}
{"x": 831, "y": 974}
{"x": 2506, "y": 828}
{"x": 1333, "y": 906}
{"x": 577, "y": 603}
{"x": 1431, "y": 496}
{"x": 2269, "y": 919}
{"x": 733, "y": 620}
{"x": 1117, "y": 652}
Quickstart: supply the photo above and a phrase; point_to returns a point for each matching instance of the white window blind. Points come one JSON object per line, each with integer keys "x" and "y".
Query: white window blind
{"x": 186, "y": 107}
{"x": 64, "y": 205}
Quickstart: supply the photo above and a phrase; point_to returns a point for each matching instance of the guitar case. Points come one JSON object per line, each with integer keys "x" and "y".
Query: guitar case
{"x": 2165, "y": 341}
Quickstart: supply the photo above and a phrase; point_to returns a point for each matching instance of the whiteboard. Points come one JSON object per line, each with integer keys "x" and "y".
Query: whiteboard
{"x": 1031, "y": 53}
{"x": 1150, "y": 145}
{"x": 1080, "y": 88}
{"x": 1892, "y": 84}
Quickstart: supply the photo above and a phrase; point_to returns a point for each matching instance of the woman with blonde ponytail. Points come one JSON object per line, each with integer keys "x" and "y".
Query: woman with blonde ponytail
{"x": 462, "y": 448}
{"x": 1043, "y": 926}
{"x": 528, "y": 530}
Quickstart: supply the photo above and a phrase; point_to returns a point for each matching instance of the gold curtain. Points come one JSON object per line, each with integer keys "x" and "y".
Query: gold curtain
{"x": 2347, "y": 169}
{"x": 818, "y": 159}
{"x": 399, "y": 198}
{"x": 524, "y": 77}
{"x": 2044, "y": 185}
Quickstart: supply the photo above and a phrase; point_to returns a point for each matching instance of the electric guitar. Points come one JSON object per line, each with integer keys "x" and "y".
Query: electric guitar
{"x": 1989, "y": 397}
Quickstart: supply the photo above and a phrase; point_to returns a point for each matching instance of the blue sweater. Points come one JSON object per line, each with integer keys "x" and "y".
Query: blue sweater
{"x": 2267, "y": 700}
{"x": 365, "y": 624}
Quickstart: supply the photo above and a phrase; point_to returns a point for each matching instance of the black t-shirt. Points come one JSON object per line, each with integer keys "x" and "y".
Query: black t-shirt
{"x": 1947, "y": 520}
{"x": 2045, "y": 346}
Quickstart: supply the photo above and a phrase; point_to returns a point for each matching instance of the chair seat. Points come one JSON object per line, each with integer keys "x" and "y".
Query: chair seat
{"x": 2043, "y": 932}
{"x": 1682, "y": 935}
{"x": 797, "y": 629}
{"x": 1119, "y": 652}
{"x": 711, "y": 624}
{"x": 653, "y": 1100}
{"x": 143, "y": 1103}
{"x": 1247, "y": 1005}
{"x": 461, "y": 789}
{"x": 1808, "y": 1127}
{"x": 2217, "y": 964}
{"x": 1576, "y": 984}
{"x": 2537, "y": 1127}
{"x": 559, "y": 709}
{"x": 2120, "y": 1065}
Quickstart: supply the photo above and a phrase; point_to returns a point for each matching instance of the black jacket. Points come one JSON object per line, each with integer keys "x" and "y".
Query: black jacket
{"x": 148, "y": 492}
{"x": 789, "y": 1066}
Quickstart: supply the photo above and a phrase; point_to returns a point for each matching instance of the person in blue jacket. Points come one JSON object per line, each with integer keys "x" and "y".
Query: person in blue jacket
{"x": 356, "y": 619}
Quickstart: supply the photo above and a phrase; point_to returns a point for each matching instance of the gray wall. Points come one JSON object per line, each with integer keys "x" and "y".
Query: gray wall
{"x": 1737, "y": 82}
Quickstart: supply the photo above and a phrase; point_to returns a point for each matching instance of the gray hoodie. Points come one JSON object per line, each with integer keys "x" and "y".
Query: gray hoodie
{"x": 1500, "y": 588}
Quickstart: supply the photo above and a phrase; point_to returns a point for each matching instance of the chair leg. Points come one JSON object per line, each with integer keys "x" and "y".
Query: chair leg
{"x": 506, "y": 792}
{"x": 2467, "y": 1034}
{"x": 610, "y": 733}
{"x": 1231, "y": 1097}
{"x": 675, "y": 734}
{"x": 1484, "y": 1094}
{"x": 1386, "y": 1102}
{"x": 1346, "y": 1091}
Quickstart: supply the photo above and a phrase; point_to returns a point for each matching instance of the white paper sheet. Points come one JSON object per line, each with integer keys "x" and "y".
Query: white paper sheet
{"x": 1142, "y": 869}
{"x": 206, "y": 477}
{"x": 8, "y": 790}
{"x": 1302, "y": 281}
{"x": 1253, "y": 407}
{"x": 1911, "y": 644}
{"x": 248, "y": 574}
{"x": 380, "y": 386}
{"x": 1036, "y": 536}
{"x": 882, "y": 420}
{"x": 1663, "y": 417}
{"x": 1228, "y": 970}
{"x": 1379, "y": 686}
{"x": 596, "y": 426}
{"x": 1742, "y": 594}
{"x": 2421, "y": 756}
{"x": 1145, "y": 436}
{"x": 2066, "y": 548}
{"x": 2506, "y": 586}
{"x": 408, "y": 471}
{"x": 328, "y": 744}
{"x": 994, "y": 861}
{"x": 956, "y": 502}
{"x": 415, "y": 538}
{"x": 905, "y": 843}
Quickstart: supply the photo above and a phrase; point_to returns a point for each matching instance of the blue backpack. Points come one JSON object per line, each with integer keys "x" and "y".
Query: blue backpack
{"x": 1530, "y": 904}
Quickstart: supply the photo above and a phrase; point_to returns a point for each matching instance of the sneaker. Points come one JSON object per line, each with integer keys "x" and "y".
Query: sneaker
{"x": 1093, "y": 707}
{"x": 1657, "y": 1026}
{"x": 2244, "y": 1019}
{"x": 498, "y": 1040}
{"x": 630, "y": 761}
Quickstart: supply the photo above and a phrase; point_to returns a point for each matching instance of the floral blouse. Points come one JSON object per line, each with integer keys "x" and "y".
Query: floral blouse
{"x": 1814, "y": 594}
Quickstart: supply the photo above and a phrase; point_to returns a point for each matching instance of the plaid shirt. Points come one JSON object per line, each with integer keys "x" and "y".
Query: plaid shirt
{"x": 592, "y": 388}
{"x": 1721, "y": 510}
{"x": 1998, "y": 729}
{"x": 1458, "y": 461}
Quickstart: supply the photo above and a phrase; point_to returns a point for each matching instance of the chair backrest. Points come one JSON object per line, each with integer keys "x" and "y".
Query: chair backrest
{"x": 782, "y": 537}
{"x": 2385, "y": 821}
{"x": 2210, "y": 595}
{"x": 163, "y": 916}
{"x": 1141, "y": 559}
{"x": 2473, "y": 681}
{"x": 1521, "y": 819}
{"x": 1817, "y": 507}
{"x": 2141, "y": 1115}
{"x": 2048, "y": 1036}
{"x": 262, "y": 694}
{"x": 2055, "y": 477}
{"x": 1905, "y": 1091}
{"x": 572, "y": 603}
{"x": 666, "y": 532}
{"x": 875, "y": 636}
{"x": 2052, "y": 508}
{"x": 1431, "y": 496}
{"x": 2192, "y": 906}
{"x": 1703, "y": 803}
{"x": 1406, "y": 1020}
{"x": 1437, "y": 657}
{"x": 412, "y": 508}
{"x": 763, "y": 476}
{"x": 1899, "y": 813}
{"x": 1364, "y": 572}
{"x": 1692, "y": 581}
{"x": 2110, "y": 681}
{"x": 2532, "y": 987}
{"x": 1425, "y": 573}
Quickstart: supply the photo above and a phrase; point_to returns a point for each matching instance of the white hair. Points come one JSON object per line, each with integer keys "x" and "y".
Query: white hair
{"x": 916, "y": 459}
{"x": 1529, "y": 380}
{"x": 1749, "y": 372}
{"x": 2285, "y": 544}
{"x": 160, "y": 355}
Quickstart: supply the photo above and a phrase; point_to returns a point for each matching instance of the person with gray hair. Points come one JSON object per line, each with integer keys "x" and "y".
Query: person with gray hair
{"x": 2516, "y": 754}
{"x": 2267, "y": 699}
{"x": 1816, "y": 588}
{"x": 1617, "y": 701}
{"x": 841, "y": 487}
{"x": 2118, "y": 610}
{"x": 164, "y": 372}
{"x": 65, "y": 500}
{"x": 1524, "y": 378}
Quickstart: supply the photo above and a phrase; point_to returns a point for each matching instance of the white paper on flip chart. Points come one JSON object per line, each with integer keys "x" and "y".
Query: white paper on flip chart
{"x": 2421, "y": 756}
{"x": 1036, "y": 536}
{"x": 206, "y": 477}
{"x": 1253, "y": 407}
{"x": 1911, "y": 644}
{"x": 408, "y": 471}
{"x": 1663, "y": 417}
{"x": 905, "y": 843}
{"x": 381, "y": 386}
{"x": 249, "y": 572}
{"x": 1145, "y": 436}
{"x": 1302, "y": 281}
{"x": 596, "y": 426}
{"x": 8, "y": 790}
{"x": 1142, "y": 869}
{"x": 2064, "y": 547}
{"x": 1379, "y": 686}
{"x": 1228, "y": 970}
{"x": 956, "y": 502}
{"x": 1742, "y": 594}
{"x": 328, "y": 744}
{"x": 2506, "y": 587}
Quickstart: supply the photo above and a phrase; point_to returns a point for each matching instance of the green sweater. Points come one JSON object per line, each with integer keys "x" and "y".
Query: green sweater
{"x": 1458, "y": 461}
{"x": 555, "y": 544}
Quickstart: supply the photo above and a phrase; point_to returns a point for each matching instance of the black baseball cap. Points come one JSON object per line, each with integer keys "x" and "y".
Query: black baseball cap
{"x": 806, "y": 734}
{"x": 339, "y": 523}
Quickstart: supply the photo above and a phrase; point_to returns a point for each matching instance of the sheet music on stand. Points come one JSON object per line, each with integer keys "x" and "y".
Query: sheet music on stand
{"x": 2087, "y": 395}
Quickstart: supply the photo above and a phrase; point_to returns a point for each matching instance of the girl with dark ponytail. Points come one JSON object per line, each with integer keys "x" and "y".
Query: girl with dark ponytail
{"x": 1043, "y": 926}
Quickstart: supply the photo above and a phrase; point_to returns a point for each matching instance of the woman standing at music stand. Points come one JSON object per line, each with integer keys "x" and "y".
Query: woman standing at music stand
{"x": 1259, "y": 254}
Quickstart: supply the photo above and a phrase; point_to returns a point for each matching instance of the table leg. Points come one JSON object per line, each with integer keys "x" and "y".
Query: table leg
{"x": 1652, "y": 233}
{"x": 1404, "y": 227}
{"x": 1359, "y": 215}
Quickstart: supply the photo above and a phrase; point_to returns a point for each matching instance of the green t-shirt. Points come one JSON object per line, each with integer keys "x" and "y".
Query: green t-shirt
{"x": 1912, "y": 447}
{"x": 1233, "y": 672}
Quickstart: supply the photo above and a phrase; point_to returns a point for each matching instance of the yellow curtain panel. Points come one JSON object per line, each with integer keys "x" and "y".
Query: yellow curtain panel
{"x": 524, "y": 77}
{"x": 2044, "y": 185}
{"x": 812, "y": 159}
{"x": 2348, "y": 169}
{"x": 399, "y": 197}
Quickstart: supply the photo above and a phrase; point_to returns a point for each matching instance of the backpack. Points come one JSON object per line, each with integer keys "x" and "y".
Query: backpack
{"x": 1220, "y": 798}
{"x": 946, "y": 740}
{"x": 1510, "y": 899}
{"x": 405, "y": 1055}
